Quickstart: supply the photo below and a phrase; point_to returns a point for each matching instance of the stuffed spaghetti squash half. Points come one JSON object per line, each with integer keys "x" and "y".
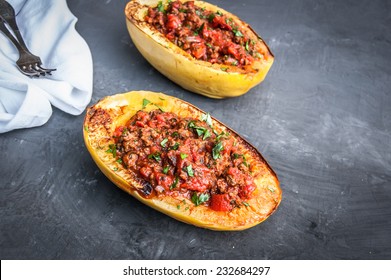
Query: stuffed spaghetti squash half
{"x": 179, "y": 160}
{"x": 199, "y": 46}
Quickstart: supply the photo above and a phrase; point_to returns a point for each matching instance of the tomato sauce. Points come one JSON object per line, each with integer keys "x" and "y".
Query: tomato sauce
{"x": 185, "y": 157}
{"x": 208, "y": 36}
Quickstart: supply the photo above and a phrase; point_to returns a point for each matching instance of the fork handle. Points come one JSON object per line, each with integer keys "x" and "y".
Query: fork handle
{"x": 22, "y": 51}
{"x": 7, "y": 14}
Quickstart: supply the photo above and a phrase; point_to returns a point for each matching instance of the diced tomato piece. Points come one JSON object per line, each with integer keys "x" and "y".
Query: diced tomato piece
{"x": 142, "y": 116}
{"x": 220, "y": 202}
{"x": 219, "y": 21}
{"x": 163, "y": 180}
{"x": 118, "y": 131}
{"x": 246, "y": 191}
{"x": 161, "y": 118}
{"x": 194, "y": 184}
{"x": 176, "y": 5}
{"x": 171, "y": 36}
{"x": 173, "y": 22}
{"x": 232, "y": 49}
{"x": 139, "y": 124}
{"x": 145, "y": 172}
{"x": 198, "y": 50}
{"x": 227, "y": 144}
{"x": 154, "y": 150}
{"x": 234, "y": 172}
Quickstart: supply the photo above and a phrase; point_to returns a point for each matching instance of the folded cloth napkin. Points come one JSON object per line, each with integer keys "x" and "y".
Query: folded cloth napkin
{"x": 48, "y": 28}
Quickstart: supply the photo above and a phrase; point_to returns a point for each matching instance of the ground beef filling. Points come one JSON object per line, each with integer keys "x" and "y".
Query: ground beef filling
{"x": 185, "y": 157}
{"x": 206, "y": 35}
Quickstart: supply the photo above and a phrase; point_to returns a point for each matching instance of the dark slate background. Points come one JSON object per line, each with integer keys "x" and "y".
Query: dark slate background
{"x": 321, "y": 118}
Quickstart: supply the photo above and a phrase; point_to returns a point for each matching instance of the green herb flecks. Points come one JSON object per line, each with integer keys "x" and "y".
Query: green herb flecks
{"x": 175, "y": 183}
{"x": 236, "y": 156}
{"x": 217, "y": 150}
{"x": 112, "y": 150}
{"x": 164, "y": 142}
{"x": 175, "y": 146}
{"x": 183, "y": 156}
{"x": 207, "y": 118}
{"x": 190, "y": 170}
{"x": 201, "y": 131}
{"x": 160, "y": 108}
{"x": 221, "y": 135}
{"x": 160, "y": 7}
{"x": 155, "y": 156}
{"x": 211, "y": 17}
{"x": 165, "y": 169}
{"x": 175, "y": 134}
{"x": 271, "y": 189}
{"x": 199, "y": 199}
{"x": 145, "y": 102}
{"x": 237, "y": 33}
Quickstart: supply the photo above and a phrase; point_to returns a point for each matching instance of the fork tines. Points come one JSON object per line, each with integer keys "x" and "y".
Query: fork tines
{"x": 27, "y": 63}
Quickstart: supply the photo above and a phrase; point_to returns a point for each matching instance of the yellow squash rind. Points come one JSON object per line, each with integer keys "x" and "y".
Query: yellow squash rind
{"x": 192, "y": 74}
{"x": 113, "y": 111}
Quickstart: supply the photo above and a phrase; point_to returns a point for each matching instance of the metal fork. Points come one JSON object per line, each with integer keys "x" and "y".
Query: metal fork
{"x": 27, "y": 63}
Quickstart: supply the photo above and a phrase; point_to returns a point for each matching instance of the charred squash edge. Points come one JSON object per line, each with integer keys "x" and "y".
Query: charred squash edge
{"x": 113, "y": 111}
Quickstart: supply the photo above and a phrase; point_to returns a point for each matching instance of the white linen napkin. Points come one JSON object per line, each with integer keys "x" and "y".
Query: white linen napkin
{"x": 48, "y": 28}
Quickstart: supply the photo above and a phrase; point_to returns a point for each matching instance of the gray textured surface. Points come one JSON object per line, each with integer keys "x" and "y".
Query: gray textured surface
{"x": 321, "y": 118}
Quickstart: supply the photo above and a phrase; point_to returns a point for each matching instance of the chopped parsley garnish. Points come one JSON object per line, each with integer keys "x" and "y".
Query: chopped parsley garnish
{"x": 175, "y": 134}
{"x": 183, "y": 156}
{"x": 237, "y": 33}
{"x": 219, "y": 13}
{"x": 247, "y": 47}
{"x": 199, "y": 199}
{"x": 165, "y": 169}
{"x": 224, "y": 69}
{"x": 201, "y": 131}
{"x": 222, "y": 134}
{"x": 155, "y": 156}
{"x": 207, "y": 118}
{"x": 119, "y": 161}
{"x": 175, "y": 147}
{"x": 190, "y": 171}
{"x": 236, "y": 156}
{"x": 160, "y": 7}
{"x": 175, "y": 183}
{"x": 191, "y": 124}
{"x": 216, "y": 150}
{"x": 206, "y": 134}
{"x": 164, "y": 142}
{"x": 246, "y": 204}
{"x": 199, "y": 30}
{"x": 112, "y": 150}
{"x": 145, "y": 102}
{"x": 211, "y": 17}
{"x": 160, "y": 108}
